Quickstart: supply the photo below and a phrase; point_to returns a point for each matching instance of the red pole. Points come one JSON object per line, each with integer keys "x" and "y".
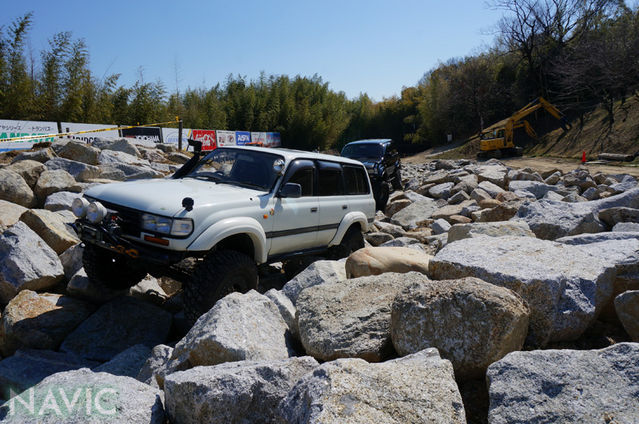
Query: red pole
{"x": 583, "y": 157}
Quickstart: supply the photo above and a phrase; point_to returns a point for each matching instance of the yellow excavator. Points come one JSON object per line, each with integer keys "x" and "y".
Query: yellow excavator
{"x": 498, "y": 139}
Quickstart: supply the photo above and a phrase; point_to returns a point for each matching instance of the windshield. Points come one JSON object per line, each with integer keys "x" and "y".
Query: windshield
{"x": 368, "y": 150}
{"x": 244, "y": 168}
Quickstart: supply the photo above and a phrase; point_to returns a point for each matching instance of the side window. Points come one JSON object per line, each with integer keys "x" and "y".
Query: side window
{"x": 304, "y": 176}
{"x": 330, "y": 179}
{"x": 355, "y": 180}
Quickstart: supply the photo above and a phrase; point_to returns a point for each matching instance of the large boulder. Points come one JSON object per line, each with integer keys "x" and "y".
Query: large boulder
{"x": 60, "y": 201}
{"x": 233, "y": 392}
{"x": 30, "y": 366}
{"x": 491, "y": 229}
{"x": 40, "y": 321}
{"x": 415, "y": 389}
{"x": 40, "y": 155}
{"x": 155, "y": 365}
{"x": 471, "y": 323}
{"x": 82, "y": 287}
{"x": 30, "y": 170}
{"x": 379, "y": 260}
{"x": 239, "y": 327}
{"x": 537, "y": 188}
{"x": 613, "y": 216}
{"x": 566, "y": 386}
{"x": 411, "y": 215}
{"x": 319, "y": 272}
{"x": 351, "y": 319}
{"x": 91, "y": 397}
{"x": 26, "y": 262}
{"x": 118, "y": 145}
{"x": 14, "y": 189}
{"x": 113, "y": 157}
{"x": 565, "y": 286}
{"x": 78, "y": 170}
{"x": 10, "y": 213}
{"x": 80, "y": 152}
{"x": 116, "y": 326}
{"x": 550, "y": 219}
{"x": 127, "y": 363}
{"x": 52, "y": 181}
{"x": 51, "y": 227}
{"x": 627, "y": 308}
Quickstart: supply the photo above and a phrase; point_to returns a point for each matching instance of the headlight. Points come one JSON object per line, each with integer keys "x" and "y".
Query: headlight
{"x": 96, "y": 212}
{"x": 79, "y": 206}
{"x": 163, "y": 225}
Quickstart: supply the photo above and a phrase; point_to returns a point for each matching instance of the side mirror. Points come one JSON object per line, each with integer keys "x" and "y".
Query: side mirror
{"x": 291, "y": 190}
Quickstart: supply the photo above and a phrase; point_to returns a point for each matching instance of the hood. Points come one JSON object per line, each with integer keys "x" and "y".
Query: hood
{"x": 164, "y": 196}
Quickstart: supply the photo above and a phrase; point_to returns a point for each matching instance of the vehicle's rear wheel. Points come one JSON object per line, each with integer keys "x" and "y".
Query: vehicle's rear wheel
{"x": 353, "y": 240}
{"x": 109, "y": 270}
{"x": 220, "y": 273}
{"x": 397, "y": 180}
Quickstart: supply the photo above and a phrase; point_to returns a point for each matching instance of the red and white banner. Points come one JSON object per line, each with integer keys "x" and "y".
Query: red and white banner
{"x": 207, "y": 137}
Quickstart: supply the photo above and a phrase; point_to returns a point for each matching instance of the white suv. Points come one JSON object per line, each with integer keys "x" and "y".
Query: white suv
{"x": 233, "y": 209}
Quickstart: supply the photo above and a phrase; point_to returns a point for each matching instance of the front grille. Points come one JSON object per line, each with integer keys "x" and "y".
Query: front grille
{"x": 130, "y": 220}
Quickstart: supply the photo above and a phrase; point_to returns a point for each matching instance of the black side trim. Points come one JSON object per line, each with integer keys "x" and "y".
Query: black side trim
{"x": 284, "y": 233}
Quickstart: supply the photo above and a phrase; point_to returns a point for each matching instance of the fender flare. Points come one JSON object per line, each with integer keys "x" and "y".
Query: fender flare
{"x": 348, "y": 220}
{"x": 230, "y": 227}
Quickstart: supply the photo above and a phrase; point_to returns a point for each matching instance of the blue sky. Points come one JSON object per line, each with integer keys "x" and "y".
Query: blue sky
{"x": 375, "y": 47}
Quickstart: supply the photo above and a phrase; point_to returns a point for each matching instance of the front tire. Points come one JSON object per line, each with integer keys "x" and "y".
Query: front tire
{"x": 220, "y": 273}
{"x": 109, "y": 270}
{"x": 397, "y": 180}
{"x": 353, "y": 240}
{"x": 381, "y": 191}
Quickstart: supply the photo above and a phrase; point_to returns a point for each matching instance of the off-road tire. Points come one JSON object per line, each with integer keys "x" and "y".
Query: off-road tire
{"x": 220, "y": 273}
{"x": 353, "y": 240}
{"x": 109, "y": 270}
{"x": 397, "y": 180}
{"x": 381, "y": 191}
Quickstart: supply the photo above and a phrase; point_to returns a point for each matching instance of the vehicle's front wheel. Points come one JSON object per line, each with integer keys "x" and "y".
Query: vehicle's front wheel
{"x": 109, "y": 270}
{"x": 381, "y": 192}
{"x": 397, "y": 179}
{"x": 220, "y": 273}
{"x": 353, "y": 240}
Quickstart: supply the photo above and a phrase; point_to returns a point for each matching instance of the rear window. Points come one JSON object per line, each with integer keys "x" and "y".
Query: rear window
{"x": 355, "y": 180}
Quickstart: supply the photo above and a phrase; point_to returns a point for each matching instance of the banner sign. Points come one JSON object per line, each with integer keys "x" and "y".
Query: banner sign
{"x": 153, "y": 134}
{"x": 170, "y": 136}
{"x": 258, "y": 139}
{"x": 89, "y": 138}
{"x": 11, "y": 128}
{"x": 225, "y": 138}
{"x": 207, "y": 137}
{"x": 242, "y": 138}
{"x": 273, "y": 139}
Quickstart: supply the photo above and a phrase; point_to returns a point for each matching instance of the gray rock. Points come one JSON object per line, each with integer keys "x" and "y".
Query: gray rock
{"x": 52, "y": 181}
{"x": 592, "y": 193}
{"x": 26, "y": 262}
{"x": 566, "y": 287}
{"x": 127, "y": 363}
{"x": 377, "y": 238}
{"x": 612, "y": 216}
{"x": 51, "y": 227}
{"x": 155, "y": 365}
{"x": 30, "y": 170}
{"x": 415, "y": 389}
{"x": 111, "y": 173}
{"x": 458, "y": 197}
{"x": 440, "y": 226}
{"x": 627, "y": 183}
{"x": 286, "y": 308}
{"x": 417, "y": 212}
{"x": 136, "y": 172}
{"x": 72, "y": 260}
{"x": 551, "y": 220}
{"x": 627, "y": 308}
{"x": 582, "y": 239}
{"x": 480, "y": 194}
{"x": 239, "y": 327}
{"x": 82, "y": 287}
{"x": 391, "y": 229}
{"x": 551, "y": 195}
{"x": 119, "y": 145}
{"x": 492, "y": 189}
{"x": 40, "y": 155}
{"x": 405, "y": 242}
{"x": 471, "y": 323}
{"x": 351, "y": 319}
{"x": 553, "y": 178}
{"x": 178, "y": 157}
{"x": 567, "y": 386}
{"x": 523, "y": 175}
{"x": 539, "y": 189}
{"x": 116, "y": 326}
{"x": 40, "y": 321}
{"x": 111, "y": 399}
{"x": 574, "y": 198}
{"x": 30, "y": 366}
{"x": 441, "y": 191}
{"x": 493, "y": 173}
{"x": 10, "y": 214}
{"x": 80, "y": 152}
{"x": 60, "y": 201}
{"x": 78, "y": 170}
{"x": 491, "y": 229}
{"x": 237, "y": 392}
{"x": 319, "y": 272}
{"x": 114, "y": 158}
{"x": 14, "y": 189}
{"x": 626, "y": 227}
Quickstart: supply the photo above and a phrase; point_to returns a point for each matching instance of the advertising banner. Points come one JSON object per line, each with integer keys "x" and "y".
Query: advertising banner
{"x": 170, "y": 136}
{"x": 207, "y": 137}
{"x": 258, "y": 139}
{"x": 273, "y": 139}
{"x": 242, "y": 138}
{"x": 88, "y": 138}
{"x": 11, "y": 129}
{"x": 225, "y": 138}
{"x": 152, "y": 134}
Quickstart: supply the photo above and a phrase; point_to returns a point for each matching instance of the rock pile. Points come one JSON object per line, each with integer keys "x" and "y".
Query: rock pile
{"x": 475, "y": 272}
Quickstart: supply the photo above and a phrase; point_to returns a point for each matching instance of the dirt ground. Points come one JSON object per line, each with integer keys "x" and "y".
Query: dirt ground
{"x": 548, "y": 163}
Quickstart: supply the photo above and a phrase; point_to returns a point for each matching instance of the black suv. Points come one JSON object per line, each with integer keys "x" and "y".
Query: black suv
{"x": 382, "y": 163}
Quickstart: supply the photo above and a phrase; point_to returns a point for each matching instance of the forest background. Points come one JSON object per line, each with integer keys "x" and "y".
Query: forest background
{"x": 579, "y": 54}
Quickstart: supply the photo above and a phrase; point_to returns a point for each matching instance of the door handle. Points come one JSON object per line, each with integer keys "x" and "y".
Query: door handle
{"x": 344, "y": 206}
{"x": 313, "y": 209}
